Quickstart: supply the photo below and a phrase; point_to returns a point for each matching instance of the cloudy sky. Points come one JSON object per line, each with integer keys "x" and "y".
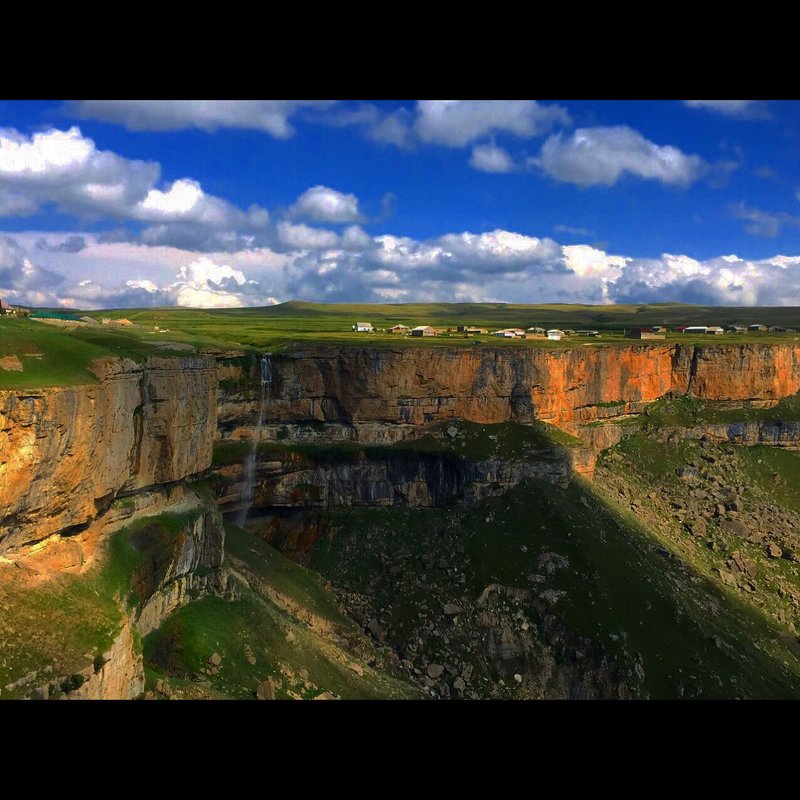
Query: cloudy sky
{"x": 245, "y": 203}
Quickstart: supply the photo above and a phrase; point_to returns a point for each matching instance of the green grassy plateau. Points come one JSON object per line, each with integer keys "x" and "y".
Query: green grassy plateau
{"x": 53, "y": 356}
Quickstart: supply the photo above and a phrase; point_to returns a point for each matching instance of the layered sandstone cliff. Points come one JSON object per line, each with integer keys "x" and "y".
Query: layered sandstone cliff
{"x": 359, "y": 385}
{"x": 65, "y": 453}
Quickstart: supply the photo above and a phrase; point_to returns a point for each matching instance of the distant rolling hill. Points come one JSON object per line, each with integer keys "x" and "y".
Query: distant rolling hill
{"x": 304, "y": 316}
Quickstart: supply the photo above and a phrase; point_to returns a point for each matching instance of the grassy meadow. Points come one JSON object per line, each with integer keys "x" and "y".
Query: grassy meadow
{"x": 52, "y": 356}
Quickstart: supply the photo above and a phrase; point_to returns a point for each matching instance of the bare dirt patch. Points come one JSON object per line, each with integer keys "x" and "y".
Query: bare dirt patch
{"x": 11, "y": 364}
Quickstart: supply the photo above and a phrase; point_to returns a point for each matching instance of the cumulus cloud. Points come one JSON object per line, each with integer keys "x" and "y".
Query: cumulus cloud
{"x": 601, "y": 156}
{"x": 67, "y": 169}
{"x": 22, "y": 281}
{"x": 321, "y": 204}
{"x": 385, "y": 127}
{"x": 270, "y": 116}
{"x": 304, "y": 237}
{"x": 457, "y": 123}
{"x": 744, "y": 109}
{"x": 491, "y": 158}
{"x": 314, "y": 264}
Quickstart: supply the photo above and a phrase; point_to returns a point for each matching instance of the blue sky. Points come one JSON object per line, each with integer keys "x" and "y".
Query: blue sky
{"x": 131, "y": 203}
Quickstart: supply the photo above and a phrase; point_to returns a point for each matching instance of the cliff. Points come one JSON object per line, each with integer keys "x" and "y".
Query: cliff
{"x": 79, "y": 463}
{"x": 358, "y": 385}
{"x": 66, "y": 453}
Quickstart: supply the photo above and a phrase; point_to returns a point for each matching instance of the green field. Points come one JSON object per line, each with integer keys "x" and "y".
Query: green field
{"x": 53, "y": 356}
{"x": 297, "y": 322}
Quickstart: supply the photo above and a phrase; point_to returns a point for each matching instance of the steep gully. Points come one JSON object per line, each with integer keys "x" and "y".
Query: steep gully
{"x": 68, "y": 456}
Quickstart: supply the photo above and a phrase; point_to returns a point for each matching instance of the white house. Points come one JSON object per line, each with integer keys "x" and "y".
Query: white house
{"x": 363, "y": 327}
{"x": 715, "y": 330}
{"x": 554, "y": 334}
{"x": 696, "y": 329}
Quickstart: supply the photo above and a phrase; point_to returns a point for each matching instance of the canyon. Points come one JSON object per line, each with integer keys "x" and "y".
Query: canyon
{"x": 168, "y": 449}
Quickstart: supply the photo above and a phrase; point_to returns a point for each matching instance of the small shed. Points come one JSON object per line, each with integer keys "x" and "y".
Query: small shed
{"x": 644, "y": 333}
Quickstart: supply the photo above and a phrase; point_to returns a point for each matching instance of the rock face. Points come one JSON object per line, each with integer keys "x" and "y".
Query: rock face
{"x": 65, "y": 453}
{"x": 420, "y": 480}
{"x": 120, "y": 678}
{"x": 359, "y": 385}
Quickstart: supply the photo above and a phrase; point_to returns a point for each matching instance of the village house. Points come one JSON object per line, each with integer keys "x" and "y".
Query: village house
{"x": 735, "y": 329}
{"x": 644, "y": 333}
{"x": 776, "y": 329}
{"x": 90, "y": 321}
{"x": 588, "y": 333}
{"x": 5, "y": 308}
{"x": 363, "y": 327}
{"x": 399, "y": 329}
{"x": 714, "y": 330}
{"x": 472, "y": 330}
{"x": 510, "y": 333}
{"x": 423, "y": 330}
{"x": 555, "y": 335}
{"x": 757, "y": 327}
{"x": 535, "y": 331}
{"x": 659, "y": 329}
{"x": 695, "y": 329}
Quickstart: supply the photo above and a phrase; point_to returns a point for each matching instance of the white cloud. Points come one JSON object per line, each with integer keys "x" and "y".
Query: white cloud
{"x": 745, "y": 109}
{"x": 270, "y": 116}
{"x": 148, "y": 286}
{"x": 67, "y": 169}
{"x": 321, "y": 204}
{"x": 490, "y": 158}
{"x": 304, "y": 237}
{"x": 457, "y": 123}
{"x": 494, "y": 266}
{"x": 22, "y": 281}
{"x": 600, "y": 156}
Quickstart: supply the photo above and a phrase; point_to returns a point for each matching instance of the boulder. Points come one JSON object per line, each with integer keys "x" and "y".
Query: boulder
{"x": 773, "y": 551}
{"x": 266, "y": 690}
{"x": 434, "y": 670}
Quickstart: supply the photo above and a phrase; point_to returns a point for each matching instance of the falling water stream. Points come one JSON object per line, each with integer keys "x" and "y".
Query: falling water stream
{"x": 250, "y": 461}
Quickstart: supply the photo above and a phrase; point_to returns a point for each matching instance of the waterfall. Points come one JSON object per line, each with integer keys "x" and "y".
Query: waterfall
{"x": 250, "y": 460}
{"x": 145, "y": 391}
